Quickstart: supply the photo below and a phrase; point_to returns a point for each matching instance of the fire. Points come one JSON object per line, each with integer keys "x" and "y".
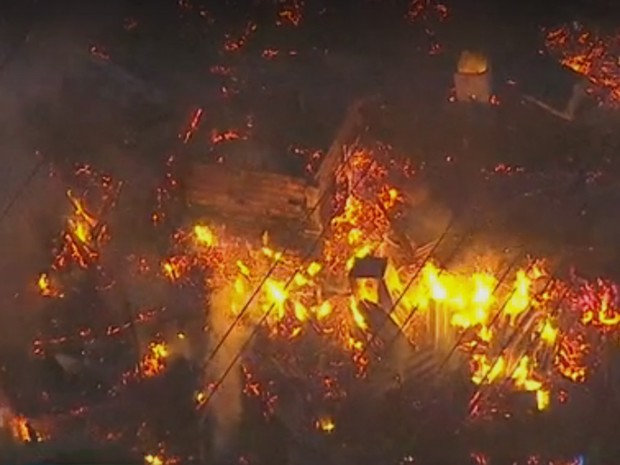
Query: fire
{"x": 549, "y": 334}
{"x": 592, "y": 55}
{"x": 358, "y": 317}
{"x": 81, "y": 224}
{"x": 204, "y": 235}
{"x": 174, "y": 268}
{"x": 325, "y": 424}
{"x": 85, "y": 232}
{"x": 485, "y": 371}
{"x": 46, "y": 288}
{"x": 598, "y": 302}
{"x": 154, "y": 361}
{"x": 20, "y": 430}
{"x": 543, "y": 399}
{"x": 523, "y": 332}
{"x": 515, "y": 332}
{"x": 472, "y": 63}
{"x": 160, "y": 458}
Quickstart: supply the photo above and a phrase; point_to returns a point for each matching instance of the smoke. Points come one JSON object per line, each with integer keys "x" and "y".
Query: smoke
{"x": 426, "y": 218}
{"x": 225, "y": 405}
{"x": 40, "y": 115}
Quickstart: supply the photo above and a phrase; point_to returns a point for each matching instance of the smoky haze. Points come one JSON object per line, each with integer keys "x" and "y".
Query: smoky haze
{"x": 226, "y": 404}
{"x": 58, "y": 107}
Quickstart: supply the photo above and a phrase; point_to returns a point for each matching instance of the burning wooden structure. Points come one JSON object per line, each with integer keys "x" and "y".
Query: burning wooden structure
{"x": 259, "y": 198}
{"x": 253, "y": 198}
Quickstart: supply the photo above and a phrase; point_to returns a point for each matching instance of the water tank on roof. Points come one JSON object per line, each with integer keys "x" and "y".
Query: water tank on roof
{"x": 472, "y": 79}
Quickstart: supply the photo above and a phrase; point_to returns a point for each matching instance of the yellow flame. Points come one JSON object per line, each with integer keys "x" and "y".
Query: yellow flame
{"x": 548, "y": 333}
{"x": 152, "y": 459}
{"x": 325, "y": 424}
{"x": 358, "y": 317}
{"x": 472, "y": 63}
{"x": 204, "y": 235}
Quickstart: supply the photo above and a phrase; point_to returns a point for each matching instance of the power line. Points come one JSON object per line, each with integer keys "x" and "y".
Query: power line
{"x": 238, "y": 354}
{"x": 513, "y": 336}
{"x": 277, "y": 262}
{"x": 412, "y": 313}
{"x": 20, "y": 190}
{"x": 495, "y": 317}
{"x": 503, "y": 349}
{"x": 395, "y": 304}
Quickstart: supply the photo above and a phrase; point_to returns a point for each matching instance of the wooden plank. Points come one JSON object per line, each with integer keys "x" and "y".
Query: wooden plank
{"x": 243, "y": 182}
{"x": 349, "y": 130}
{"x": 254, "y": 208}
{"x": 255, "y": 198}
{"x": 251, "y": 197}
{"x": 236, "y": 185}
{"x": 247, "y": 182}
{"x": 216, "y": 171}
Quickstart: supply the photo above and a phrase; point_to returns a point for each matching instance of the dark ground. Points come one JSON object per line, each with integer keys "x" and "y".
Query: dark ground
{"x": 344, "y": 53}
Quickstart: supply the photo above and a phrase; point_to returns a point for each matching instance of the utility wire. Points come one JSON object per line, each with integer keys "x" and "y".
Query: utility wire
{"x": 395, "y": 304}
{"x": 20, "y": 190}
{"x": 495, "y": 317}
{"x": 246, "y": 343}
{"x": 275, "y": 264}
{"x": 413, "y": 311}
{"x": 503, "y": 348}
{"x": 512, "y": 338}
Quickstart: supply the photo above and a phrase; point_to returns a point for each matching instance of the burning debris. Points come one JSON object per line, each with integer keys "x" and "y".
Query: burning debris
{"x": 303, "y": 331}
{"x": 515, "y": 330}
{"x": 591, "y": 55}
{"x": 517, "y": 335}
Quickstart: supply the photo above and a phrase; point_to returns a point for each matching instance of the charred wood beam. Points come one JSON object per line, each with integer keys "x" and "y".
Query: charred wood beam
{"x": 251, "y": 195}
{"x": 566, "y": 116}
{"x": 350, "y": 129}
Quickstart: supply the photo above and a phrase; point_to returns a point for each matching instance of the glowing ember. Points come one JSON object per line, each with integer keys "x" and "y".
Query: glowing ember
{"x": 154, "y": 361}
{"x": 46, "y": 288}
{"x": 151, "y": 459}
{"x": 20, "y": 430}
{"x": 522, "y": 332}
{"x": 594, "y": 56}
{"x": 204, "y": 235}
{"x": 290, "y": 13}
{"x": 325, "y": 424}
{"x": 516, "y": 333}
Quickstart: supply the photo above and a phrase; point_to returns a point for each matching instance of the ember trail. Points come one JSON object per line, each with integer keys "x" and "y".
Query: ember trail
{"x": 219, "y": 261}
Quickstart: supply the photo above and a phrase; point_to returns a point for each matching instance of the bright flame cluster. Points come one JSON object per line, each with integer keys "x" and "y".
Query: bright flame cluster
{"x": 592, "y": 55}
{"x": 519, "y": 334}
{"x": 525, "y": 332}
